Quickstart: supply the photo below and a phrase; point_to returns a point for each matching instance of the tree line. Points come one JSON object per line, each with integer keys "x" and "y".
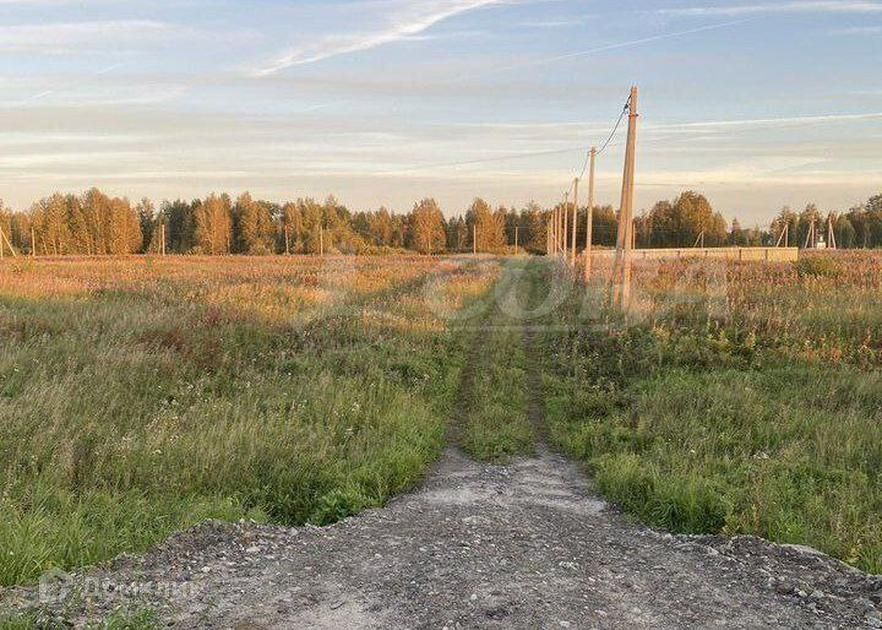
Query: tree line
{"x": 859, "y": 227}
{"x": 94, "y": 223}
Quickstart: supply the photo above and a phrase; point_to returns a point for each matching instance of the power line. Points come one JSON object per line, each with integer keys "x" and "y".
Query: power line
{"x": 616, "y": 128}
{"x": 608, "y": 140}
{"x": 519, "y": 156}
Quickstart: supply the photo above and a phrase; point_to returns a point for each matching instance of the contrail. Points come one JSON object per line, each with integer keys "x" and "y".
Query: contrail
{"x": 44, "y": 94}
{"x": 628, "y": 44}
{"x": 109, "y": 69}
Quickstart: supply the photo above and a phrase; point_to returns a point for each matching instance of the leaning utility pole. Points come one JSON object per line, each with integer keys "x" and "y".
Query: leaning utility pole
{"x": 831, "y": 234}
{"x": 5, "y": 240}
{"x": 810, "y": 236}
{"x": 621, "y": 280}
{"x": 575, "y": 221}
{"x": 589, "y": 231}
{"x": 784, "y": 236}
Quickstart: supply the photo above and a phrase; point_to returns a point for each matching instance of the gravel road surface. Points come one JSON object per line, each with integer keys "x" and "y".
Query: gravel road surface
{"x": 527, "y": 545}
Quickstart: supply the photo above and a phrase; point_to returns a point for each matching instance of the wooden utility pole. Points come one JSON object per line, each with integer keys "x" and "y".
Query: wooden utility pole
{"x": 162, "y": 240}
{"x": 809, "y": 236}
{"x": 589, "y": 231}
{"x": 475, "y": 239}
{"x": 287, "y": 242}
{"x": 547, "y": 237}
{"x": 784, "y": 236}
{"x": 322, "y": 241}
{"x": 516, "y": 240}
{"x": 557, "y": 226}
{"x": 621, "y": 280}
{"x": 575, "y": 221}
{"x": 831, "y": 234}
{"x": 5, "y": 240}
{"x": 33, "y": 243}
{"x": 565, "y": 220}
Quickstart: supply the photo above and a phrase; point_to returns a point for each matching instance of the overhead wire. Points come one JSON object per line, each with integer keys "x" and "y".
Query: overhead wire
{"x": 518, "y": 156}
{"x": 609, "y": 138}
{"x": 603, "y": 147}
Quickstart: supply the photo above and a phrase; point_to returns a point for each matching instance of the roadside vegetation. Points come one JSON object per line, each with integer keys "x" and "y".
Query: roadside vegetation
{"x": 143, "y": 619}
{"x": 139, "y": 396}
{"x": 736, "y": 399}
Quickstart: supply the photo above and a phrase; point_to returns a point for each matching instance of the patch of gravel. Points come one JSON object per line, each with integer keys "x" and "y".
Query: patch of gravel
{"x": 526, "y": 545}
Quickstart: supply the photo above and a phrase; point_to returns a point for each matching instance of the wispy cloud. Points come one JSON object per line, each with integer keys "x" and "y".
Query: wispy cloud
{"x": 556, "y": 24}
{"x": 407, "y": 20}
{"x": 26, "y": 3}
{"x": 109, "y": 98}
{"x": 784, "y": 121}
{"x": 796, "y": 6}
{"x": 63, "y": 37}
{"x": 857, "y": 31}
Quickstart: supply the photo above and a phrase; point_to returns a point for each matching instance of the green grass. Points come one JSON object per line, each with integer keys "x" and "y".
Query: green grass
{"x": 496, "y": 427}
{"x": 143, "y": 619}
{"x": 124, "y": 419}
{"x": 705, "y": 427}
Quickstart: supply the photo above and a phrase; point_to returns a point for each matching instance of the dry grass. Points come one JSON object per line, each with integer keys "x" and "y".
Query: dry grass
{"x": 140, "y": 396}
{"x": 741, "y": 398}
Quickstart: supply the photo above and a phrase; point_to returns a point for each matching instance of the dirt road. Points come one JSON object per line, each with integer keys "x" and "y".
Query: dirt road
{"x": 526, "y": 545}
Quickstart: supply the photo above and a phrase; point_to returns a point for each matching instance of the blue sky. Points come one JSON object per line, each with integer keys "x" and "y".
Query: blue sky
{"x": 756, "y": 103}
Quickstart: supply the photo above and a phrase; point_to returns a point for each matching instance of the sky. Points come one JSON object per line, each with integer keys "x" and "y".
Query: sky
{"x": 757, "y": 104}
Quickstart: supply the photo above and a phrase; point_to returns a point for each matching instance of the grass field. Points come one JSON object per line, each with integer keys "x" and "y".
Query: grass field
{"x": 739, "y": 398}
{"x": 138, "y": 397}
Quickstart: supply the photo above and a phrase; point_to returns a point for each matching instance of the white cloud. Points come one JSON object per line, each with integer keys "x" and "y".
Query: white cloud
{"x": 407, "y": 20}
{"x": 804, "y": 6}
